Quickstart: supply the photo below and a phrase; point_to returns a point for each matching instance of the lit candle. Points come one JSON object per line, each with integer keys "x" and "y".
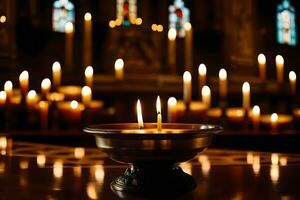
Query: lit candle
{"x": 158, "y": 110}
{"x": 223, "y": 83}
{"x": 2, "y": 98}
{"x": 69, "y": 29}
{"x": 187, "y": 87}
{"x": 246, "y": 95}
{"x": 46, "y": 86}
{"x": 255, "y": 116}
{"x": 279, "y": 68}
{"x": 8, "y": 88}
{"x": 262, "y": 66}
{"x": 31, "y": 99}
{"x": 202, "y": 75}
{"x": 75, "y": 111}
{"x": 44, "y": 110}
{"x": 89, "y": 73}
{"x": 274, "y": 119}
{"x": 56, "y": 74}
{"x": 188, "y": 46}
{"x": 86, "y": 95}
{"x": 24, "y": 82}
{"x": 235, "y": 114}
{"x": 87, "y": 41}
{"x": 206, "y": 96}
{"x": 293, "y": 78}
{"x": 172, "y": 48}
{"x": 172, "y": 102}
{"x": 139, "y": 114}
{"x": 119, "y": 69}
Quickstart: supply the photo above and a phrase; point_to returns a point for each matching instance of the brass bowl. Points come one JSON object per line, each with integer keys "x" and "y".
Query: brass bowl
{"x": 153, "y": 154}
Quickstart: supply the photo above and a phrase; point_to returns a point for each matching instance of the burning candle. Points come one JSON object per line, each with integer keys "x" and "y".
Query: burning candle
{"x": 279, "y": 68}
{"x": 2, "y": 98}
{"x": 235, "y": 114}
{"x": 293, "y": 78}
{"x": 172, "y": 47}
{"x": 46, "y": 86}
{"x": 43, "y": 107}
{"x": 24, "y": 82}
{"x": 56, "y": 74}
{"x": 31, "y": 99}
{"x": 246, "y": 95}
{"x": 274, "y": 119}
{"x": 139, "y": 115}
{"x": 262, "y": 66}
{"x": 71, "y": 111}
{"x": 71, "y": 92}
{"x": 119, "y": 69}
{"x": 8, "y": 88}
{"x": 172, "y": 102}
{"x": 187, "y": 87}
{"x": 89, "y": 73}
{"x": 86, "y": 95}
{"x": 206, "y": 96}
{"x": 222, "y": 83}
{"x": 87, "y": 41}
{"x": 202, "y": 75}
{"x": 188, "y": 46}
{"x": 255, "y": 116}
{"x": 158, "y": 110}
{"x": 69, "y": 30}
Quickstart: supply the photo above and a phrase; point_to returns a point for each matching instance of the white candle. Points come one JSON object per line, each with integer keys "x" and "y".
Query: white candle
{"x": 119, "y": 69}
{"x": 255, "y": 116}
{"x": 187, "y": 86}
{"x": 46, "y": 86}
{"x": 262, "y": 66}
{"x": 8, "y": 88}
{"x": 246, "y": 95}
{"x": 206, "y": 95}
{"x": 31, "y": 99}
{"x": 274, "y": 119}
{"x": 24, "y": 82}
{"x": 86, "y": 95}
{"x": 188, "y": 46}
{"x": 87, "y": 41}
{"x": 222, "y": 83}
{"x": 293, "y": 78}
{"x": 89, "y": 73}
{"x": 159, "y": 117}
{"x": 2, "y": 98}
{"x": 69, "y": 30}
{"x": 202, "y": 75}
{"x": 172, "y": 48}
{"x": 279, "y": 68}
{"x": 172, "y": 102}
{"x": 56, "y": 74}
{"x": 139, "y": 114}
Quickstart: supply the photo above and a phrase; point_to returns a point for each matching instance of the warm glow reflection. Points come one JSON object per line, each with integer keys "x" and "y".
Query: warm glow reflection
{"x": 74, "y": 104}
{"x": 172, "y": 34}
{"x": 99, "y": 173}
{"x": 91, "y": 190}
{"x": 3, "y": 142}
{"x": 274, "y": 117}
{"x": 256, "y": 164}
{"x": 292, "y": 76}
{"x": 261, "y": 59}
{"x": 222, "y": 74}
{"x": 160, "y": 28}
{"x": 77, "y": 171}
{"x": 87, "y": 16}
{"x": 249, "y": 158}
{"x": 41, "y": 160}
{"x": 202, "y": 69}
{"x": 274, "y": 173}
{"x": 138, "y": 21}
{"x": 69, "y": 27}
{"x": 283, "y": 161}
{"x": 24, "y": 164}
{"x": 205, "y": 165}
{"x": 58, "y": 169}
{"x": 186, "y": 167}
{"x": 274, "y": 159}
{"x": 79, "y": 152}
{"x": 2, "y": 19}
{"x": 139, "y": 114}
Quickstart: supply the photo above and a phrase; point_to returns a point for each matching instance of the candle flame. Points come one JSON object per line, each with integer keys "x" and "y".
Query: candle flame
{"x": 3, "y": 96}
{"x": 202, "y": 69}
{"x": 172, "y": 34}
{"x": 187, "y": 76}
{"x": 89, "y": 71}
{"x": 86, "y": 90}
{"x": 274, "y": 117}
{"x": 292, "y": 76}
{"x": 246, "y": 87}
{"x": 46, "y": 84}
{"x": 56, "y": 66}
{"x": 69, "y": 27}
{"x": 222, "y": 74}
{"x": 8, "y": 85}
{"x": 74, "y": 104}
{"x": 158, "y": 105}
{"x": 172, "y": 101}
{"x": 87, "y": 16}
{"x": 187, "y": 26}
{"x": 139, "y": 114}
{"x": 31, "y": 94}
{"x": 279, "y": 59}
{"x": 119, "y": 64}
{"x": 112, "y": 23}
{"x": 3, "y": 19}
{"x": 24, "y": 75}
{"x": 256, "y": 110}
{"x": 261, "y": 58}
{"x": 205, "y": 91}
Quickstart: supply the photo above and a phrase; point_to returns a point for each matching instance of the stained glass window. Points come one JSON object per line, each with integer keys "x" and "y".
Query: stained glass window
{"x": 286, "y": 24}
{"x": 63, "y": 12}
{"x": 126, "y": 11}
{"x": 178, "y": 16}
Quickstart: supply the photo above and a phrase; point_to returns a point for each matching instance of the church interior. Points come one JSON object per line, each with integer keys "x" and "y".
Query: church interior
{"x": 131, "y": 99}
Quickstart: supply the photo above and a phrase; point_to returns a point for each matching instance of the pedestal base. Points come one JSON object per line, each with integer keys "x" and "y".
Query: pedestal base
{"x": 153, "y": 181}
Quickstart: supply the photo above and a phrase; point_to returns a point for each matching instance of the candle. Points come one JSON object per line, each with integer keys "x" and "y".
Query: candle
{"x": 46, "y": 86}
{"x": 197, "y": 109}
{"x": 206, "y": 96}
{"x": 172, "y": 48}
{"x": 214, "y": 113}
{"x": 255, "y": 116}
{"x": 69, "y": 29}
{"x": 235, "y": 114}
{"x": 8, "y": 88}
{"x": 188, "y": 46}
{"x": 262, "y": 66}
{"x": 119, "y": 69}
{"x": 158, "y": 110}
{"x": 202, "y": 75}
{"x": 279, "y": 68}
{"x": 71, "y": 92}
{"x": 89, "y": 73}
{"x": 246, "y": 95}
{"x": 2, "y": 98}
{"x": 222, "y": 83}
{"x": 87, "y": 41}
{"x": 43, "y": 107}
{"x": 31, "y": 99}
{"x": 86, "y": 95}
{"x": 293, "y": 78}
{"x": 187, "y": 87}
{"x": 274, "y": 119}
{"x": 71, "y": 111}
{"x": 24, "y": 82}
{"x": 172, "y": 102}
{"x": 56, "y": 74}
{"x": 139, "y": 114}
